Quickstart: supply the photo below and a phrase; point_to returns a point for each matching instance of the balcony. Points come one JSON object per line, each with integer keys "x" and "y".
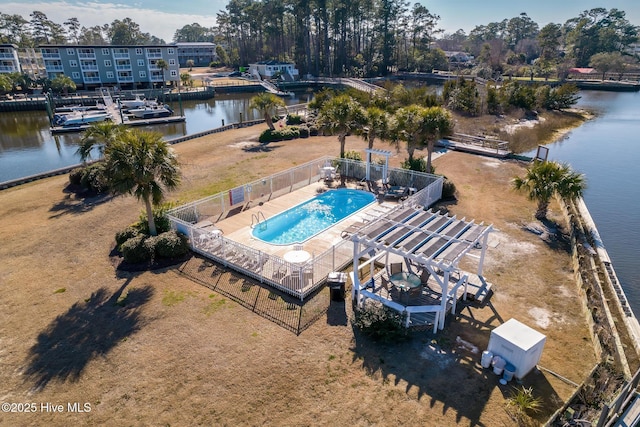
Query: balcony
{"x": 92, "y": 80}
{"x": 54, "y": 68}
{"x": 6, "y": 55}
{"x": 85, "y": 55}
{"x": 8, "y": 69}
{"x": 89, "y": 67}
{"x": 125, "y": 79}
{"x": 50, "y": 55}
{"x": 123, "y": 55}
{"x": 124, "y": 67}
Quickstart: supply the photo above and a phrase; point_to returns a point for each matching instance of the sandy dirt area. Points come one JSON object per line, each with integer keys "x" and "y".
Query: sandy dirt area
{"x": 155, "y": 348}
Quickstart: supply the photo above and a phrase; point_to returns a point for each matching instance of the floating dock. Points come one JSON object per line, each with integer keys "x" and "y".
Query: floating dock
{"x": 118, "y": 117}
{"x": 136, "y": 122}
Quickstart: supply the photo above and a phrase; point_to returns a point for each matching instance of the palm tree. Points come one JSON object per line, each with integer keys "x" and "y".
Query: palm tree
{"x": 408, "y": 125}
{"x": 341, "y": 115}
{"x": 419, "y": 126}
{"x": 163, "y": 66}
{"x": 545, "y": 179}
{"x": 141, "y": 163}
{"x": 377, "y": 124}
{"x": 64, "y": 84}
{"x": 190, "y": 64}
{"x": 438, "y": 124}
{"x": 267, "y": 104}
{"x": 98, "y": 135}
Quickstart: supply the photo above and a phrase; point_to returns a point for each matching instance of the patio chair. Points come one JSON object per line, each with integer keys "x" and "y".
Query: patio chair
{"x": 395, "y": 267}
{"x": 414, "y": 294}
{"x": 297, "y": 247}
{"x": 424, "y": 277}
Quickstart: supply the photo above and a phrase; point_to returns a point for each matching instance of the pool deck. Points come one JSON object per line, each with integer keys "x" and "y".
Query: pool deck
{"x": 238, "y": 227}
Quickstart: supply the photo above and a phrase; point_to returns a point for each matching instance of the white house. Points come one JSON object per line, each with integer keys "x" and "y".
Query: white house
{"x": 269, "y": 69}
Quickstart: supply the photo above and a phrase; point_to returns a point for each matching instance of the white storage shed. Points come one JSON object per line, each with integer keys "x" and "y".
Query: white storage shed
{"x": 518, "y": 344}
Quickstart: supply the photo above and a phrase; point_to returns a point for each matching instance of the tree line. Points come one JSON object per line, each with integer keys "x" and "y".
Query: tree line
{"x": 369, "y": 38}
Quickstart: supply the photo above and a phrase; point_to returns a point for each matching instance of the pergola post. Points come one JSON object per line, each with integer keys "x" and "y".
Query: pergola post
{"x": 485, "y": 242}
{"x": 445, "y": 297}
{"x": 355, "y": 290}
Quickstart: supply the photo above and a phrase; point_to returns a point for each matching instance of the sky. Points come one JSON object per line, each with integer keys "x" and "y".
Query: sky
{"x": 162, "y": 18}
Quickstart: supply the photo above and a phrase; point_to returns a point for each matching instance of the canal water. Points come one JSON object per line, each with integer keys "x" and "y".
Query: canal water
{"x": 606, "y": 150}
{"x": 27, "y": 146}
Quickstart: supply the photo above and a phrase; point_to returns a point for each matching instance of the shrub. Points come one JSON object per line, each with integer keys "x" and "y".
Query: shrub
{"x": 418, "y": 164}
{"x": 294, "y": 119}
{"x": 448, "y": 190}
{"x": 136, "y": 250}
{"x": 287, "y": 133}
{"x": 353, "y": 155}
{"x": 159, "y": 217}
{"x": 171, "y": 244}
{"x": 380, "y": 323}
{"x": 75, "y": 176}
{"x": 94, "y": 178}
{"x": 126, "y": 234}
{"x": 304, "y": 132}
{"x": 313, "y": 131}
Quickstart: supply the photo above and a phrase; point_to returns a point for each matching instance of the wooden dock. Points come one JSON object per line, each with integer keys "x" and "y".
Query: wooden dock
{"x": 476, "y": 144}
{"x": 138, "y": 122}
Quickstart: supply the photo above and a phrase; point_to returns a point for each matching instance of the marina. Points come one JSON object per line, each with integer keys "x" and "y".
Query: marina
{"x": 129, "y": 112}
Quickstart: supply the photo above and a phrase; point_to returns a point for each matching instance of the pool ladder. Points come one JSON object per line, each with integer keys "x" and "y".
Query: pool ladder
{"x": 255, "y": 220}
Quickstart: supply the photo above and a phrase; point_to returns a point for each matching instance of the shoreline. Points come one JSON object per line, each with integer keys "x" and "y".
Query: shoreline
{"x": 215, "y": 345}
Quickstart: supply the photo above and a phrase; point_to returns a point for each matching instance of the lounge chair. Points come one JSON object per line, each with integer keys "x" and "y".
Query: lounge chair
{"x": 396, "y": 192}
{"x": 352, "y": 229}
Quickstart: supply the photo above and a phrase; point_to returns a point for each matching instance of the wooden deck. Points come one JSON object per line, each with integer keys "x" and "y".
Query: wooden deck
{"x": 476, "y": 145}
{"x": 476, "y": 292}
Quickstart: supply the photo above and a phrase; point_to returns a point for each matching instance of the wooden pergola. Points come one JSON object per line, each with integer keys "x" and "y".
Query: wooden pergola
{"x": 425, "y": 240}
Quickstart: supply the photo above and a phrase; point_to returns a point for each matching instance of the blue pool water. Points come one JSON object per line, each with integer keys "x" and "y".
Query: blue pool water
{"x": 307, "y": 219}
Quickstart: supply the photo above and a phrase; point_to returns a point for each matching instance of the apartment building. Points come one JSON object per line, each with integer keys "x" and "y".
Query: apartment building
{"x": 125, "y": 67}
{"x": 201, "y": 53}
{"x": 31, "y": 63}
{"x": 9, "y": 61}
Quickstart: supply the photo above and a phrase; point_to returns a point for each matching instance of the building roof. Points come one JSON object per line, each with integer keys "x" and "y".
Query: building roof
{"x": 581, "y": 70}
{"x": 100, "y": 46}
{"x": 188, "y": 44}
{"x": 274, "y": 62}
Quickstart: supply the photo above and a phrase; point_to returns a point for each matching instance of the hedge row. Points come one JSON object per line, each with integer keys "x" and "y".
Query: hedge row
{"x": 287, "y": 133}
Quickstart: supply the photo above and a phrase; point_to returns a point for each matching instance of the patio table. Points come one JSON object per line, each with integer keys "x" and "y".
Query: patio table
{"x": 297, "y": 257}
{"x": 405, "y": 281}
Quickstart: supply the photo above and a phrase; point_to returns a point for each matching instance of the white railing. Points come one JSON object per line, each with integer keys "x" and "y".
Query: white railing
{"x": 295, "y": 279}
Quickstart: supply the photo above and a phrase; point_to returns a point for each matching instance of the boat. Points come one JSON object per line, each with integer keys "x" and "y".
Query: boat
{"x": 76, "y": 108}
{"x": 80, "y": 118}
{"x": 151, "y": 111}
{"x": 129, "y": 104}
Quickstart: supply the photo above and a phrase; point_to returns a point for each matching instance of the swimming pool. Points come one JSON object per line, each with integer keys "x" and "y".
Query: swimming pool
{"x": 307, "y": 219}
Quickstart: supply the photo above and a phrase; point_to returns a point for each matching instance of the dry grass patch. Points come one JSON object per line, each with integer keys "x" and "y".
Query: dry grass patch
{"x": 155, "y": 348}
